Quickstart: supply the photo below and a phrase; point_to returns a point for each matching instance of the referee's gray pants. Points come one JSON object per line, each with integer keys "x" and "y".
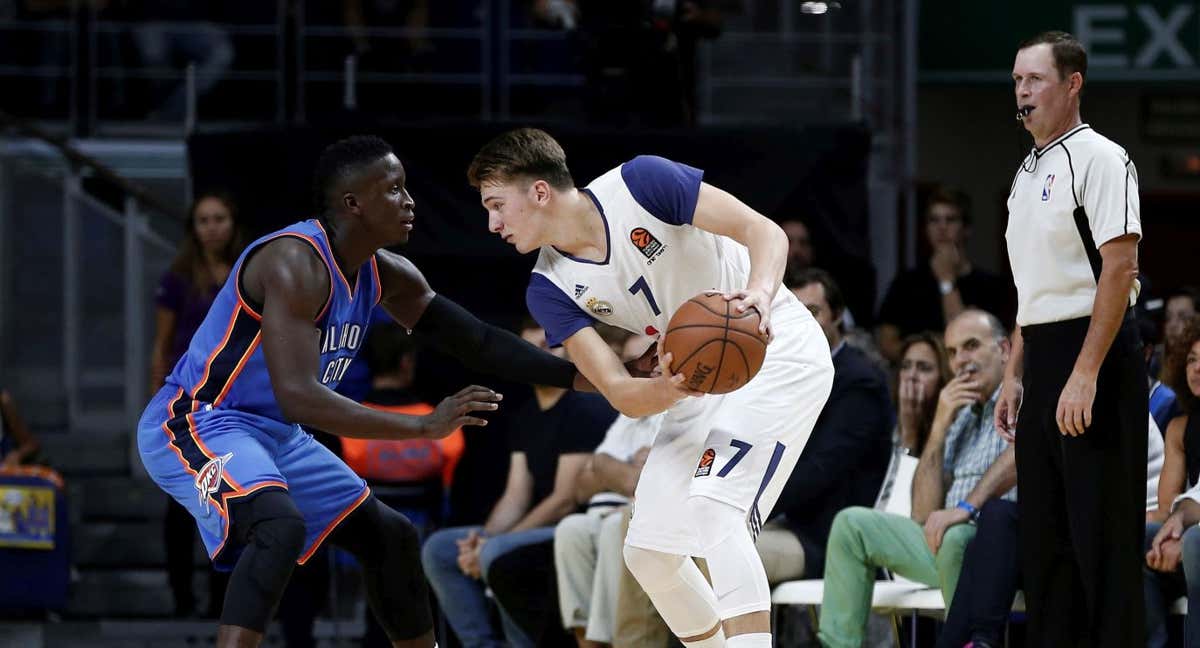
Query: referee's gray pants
{"x": 1082, "y": 499}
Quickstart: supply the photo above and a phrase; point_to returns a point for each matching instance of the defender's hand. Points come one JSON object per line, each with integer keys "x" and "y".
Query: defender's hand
{"x": 455, "y": 411}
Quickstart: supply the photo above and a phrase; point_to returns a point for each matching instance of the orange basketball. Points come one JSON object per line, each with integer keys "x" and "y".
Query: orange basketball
{"x": 716, "y": 348}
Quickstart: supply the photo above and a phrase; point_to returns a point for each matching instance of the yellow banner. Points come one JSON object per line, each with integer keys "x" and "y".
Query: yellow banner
{"x": 26, "y": 516}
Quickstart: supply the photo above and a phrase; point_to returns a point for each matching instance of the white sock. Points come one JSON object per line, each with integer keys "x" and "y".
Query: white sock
{"x": 752, "y": 640}
{"x": 715, "y": 641}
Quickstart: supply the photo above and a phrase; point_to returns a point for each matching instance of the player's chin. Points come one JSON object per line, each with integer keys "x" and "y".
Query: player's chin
{"x": 399, "y": 237}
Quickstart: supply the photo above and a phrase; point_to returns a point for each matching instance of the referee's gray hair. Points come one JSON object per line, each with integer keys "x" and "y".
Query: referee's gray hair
{"x": 997, "y": 328}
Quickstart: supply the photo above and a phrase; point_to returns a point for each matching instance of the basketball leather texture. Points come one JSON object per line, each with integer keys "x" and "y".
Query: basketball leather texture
{"x": 716, "y": 348}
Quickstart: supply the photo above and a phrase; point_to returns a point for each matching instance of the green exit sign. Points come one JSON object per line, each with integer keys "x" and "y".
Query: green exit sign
{"x": 1126, "y": 41}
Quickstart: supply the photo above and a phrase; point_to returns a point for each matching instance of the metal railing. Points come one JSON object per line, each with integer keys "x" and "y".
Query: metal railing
{"x": 845, "y": 63}
{"x": 102, "y": 368}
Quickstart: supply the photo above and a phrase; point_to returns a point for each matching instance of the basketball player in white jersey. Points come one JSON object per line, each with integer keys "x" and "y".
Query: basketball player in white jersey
{"x": 628, "y": 250}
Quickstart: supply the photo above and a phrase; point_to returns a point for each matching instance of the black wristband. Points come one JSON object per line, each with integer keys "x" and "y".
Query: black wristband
{"x": 490, "y": 349}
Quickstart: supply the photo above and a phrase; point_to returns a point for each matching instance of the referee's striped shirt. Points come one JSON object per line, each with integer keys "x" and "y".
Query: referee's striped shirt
{"x": 1067, "y": 200}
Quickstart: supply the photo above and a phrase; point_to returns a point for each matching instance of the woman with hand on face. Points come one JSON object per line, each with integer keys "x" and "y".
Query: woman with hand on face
{"x": 924, "y": 371}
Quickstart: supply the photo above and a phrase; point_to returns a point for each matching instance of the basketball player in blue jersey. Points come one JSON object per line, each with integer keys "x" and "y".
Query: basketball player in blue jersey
{"x": 223, "y": 436}
{"x": 628, "y": 250}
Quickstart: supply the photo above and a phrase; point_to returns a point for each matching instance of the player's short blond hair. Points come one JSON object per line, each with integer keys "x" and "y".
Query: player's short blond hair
{"x": 525, "y": 153}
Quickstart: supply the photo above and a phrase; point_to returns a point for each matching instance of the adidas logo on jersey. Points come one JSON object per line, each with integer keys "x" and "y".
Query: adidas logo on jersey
{"x": 579, "y": 290}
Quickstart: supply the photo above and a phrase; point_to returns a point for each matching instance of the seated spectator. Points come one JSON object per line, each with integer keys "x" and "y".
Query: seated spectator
{"x": 928, "y": 296}
{"x": 587, "y": 546}
{"x": 924, "y": 371}
{"x": 1182, "y": 305}
{"x": 18, "y": 446}
{"x": 800, "y": 247}
{"x": 555, "y": 434}
{"x": 1181, "y": 461}
{"x": 990, "y": 577}
{"x": 1173, "y": 549}
{"x": 851, "y": 438}
{"x": 391, "y": 356}
{"x": 1163, "y": 404}
{"x": 964, "y": 464}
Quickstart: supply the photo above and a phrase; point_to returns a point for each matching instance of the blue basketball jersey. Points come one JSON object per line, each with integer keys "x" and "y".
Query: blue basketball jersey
{"x": 224, "y": 365}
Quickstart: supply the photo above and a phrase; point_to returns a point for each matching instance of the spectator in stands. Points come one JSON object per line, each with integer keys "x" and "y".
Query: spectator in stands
{"x": 1163, "y": 404}
{"x": 1173, "y": 549}
{"x": 852, "y": 437}
{"x": 555, "y": 435}
{"x": 924, "y": 372}
{"x": 990, "y": 576}
{"x": 211, "y": 245}
{"x": 800, "y": 247}
{"x": 18, "y": 446}
{"x": 964, "y": 464}
{"x": 172, "y": 30}
{"x": 1181, "y": 464}
{"x": 587, "y": 546}
{"x": 1182, "y": 305}
{"x": 926, "y": 297}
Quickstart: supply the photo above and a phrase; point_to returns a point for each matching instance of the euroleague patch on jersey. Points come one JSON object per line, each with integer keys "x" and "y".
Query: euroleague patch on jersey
{"x": 208, "y": 480}
{"x": 1046, "y": 187}
{"x": 599, "y": 307}
{"x": 645, "y": 242}
{"x": 706, "y": 462}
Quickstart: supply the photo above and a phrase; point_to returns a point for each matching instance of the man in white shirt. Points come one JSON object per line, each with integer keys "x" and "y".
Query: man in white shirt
{"x": 587, "y": 546}
{"x": 1075, "y": 393}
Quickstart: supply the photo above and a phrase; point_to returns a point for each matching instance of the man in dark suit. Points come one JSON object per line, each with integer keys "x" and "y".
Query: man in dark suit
{"x": 846, "y": 457}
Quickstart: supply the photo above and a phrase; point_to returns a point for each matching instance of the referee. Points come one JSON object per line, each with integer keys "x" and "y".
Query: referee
{"x": 1074, "y": 393}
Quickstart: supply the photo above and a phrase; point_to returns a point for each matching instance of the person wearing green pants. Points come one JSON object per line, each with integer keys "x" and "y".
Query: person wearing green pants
{"x": 964, "y": 464}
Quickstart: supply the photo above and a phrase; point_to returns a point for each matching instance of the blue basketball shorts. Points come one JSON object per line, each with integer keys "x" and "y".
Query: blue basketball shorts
{"x": 208, "y": 458}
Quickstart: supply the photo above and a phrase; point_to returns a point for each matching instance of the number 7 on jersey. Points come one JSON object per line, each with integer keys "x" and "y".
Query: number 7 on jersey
{"x": 641, "y": 286}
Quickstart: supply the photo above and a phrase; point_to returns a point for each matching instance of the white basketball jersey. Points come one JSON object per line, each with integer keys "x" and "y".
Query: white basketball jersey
{"x": 652, "y": 268}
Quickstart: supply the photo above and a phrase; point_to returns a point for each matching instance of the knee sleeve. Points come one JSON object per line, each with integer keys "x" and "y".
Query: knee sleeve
{"x": 676, "y": 587}
{"x": 738, "y": 578}
{"x": 273, "y": 532}
{"x": 388, "y": 546}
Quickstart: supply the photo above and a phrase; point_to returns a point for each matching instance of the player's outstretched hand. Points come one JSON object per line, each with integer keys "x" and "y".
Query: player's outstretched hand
{"x": 455, "y": 411}
{"x": 759, "y": 301}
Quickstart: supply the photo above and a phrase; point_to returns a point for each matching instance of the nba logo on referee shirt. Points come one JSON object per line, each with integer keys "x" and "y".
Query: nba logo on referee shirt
{"x": 208, "y": 480}
{"x": 1046, "y": 187}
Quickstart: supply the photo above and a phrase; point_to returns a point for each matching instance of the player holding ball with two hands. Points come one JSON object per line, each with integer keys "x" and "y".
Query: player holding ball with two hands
{"x": 630, "y": 249}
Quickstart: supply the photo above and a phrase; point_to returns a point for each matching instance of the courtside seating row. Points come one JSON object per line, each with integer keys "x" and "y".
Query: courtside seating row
{"x": 898, "y": 595}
